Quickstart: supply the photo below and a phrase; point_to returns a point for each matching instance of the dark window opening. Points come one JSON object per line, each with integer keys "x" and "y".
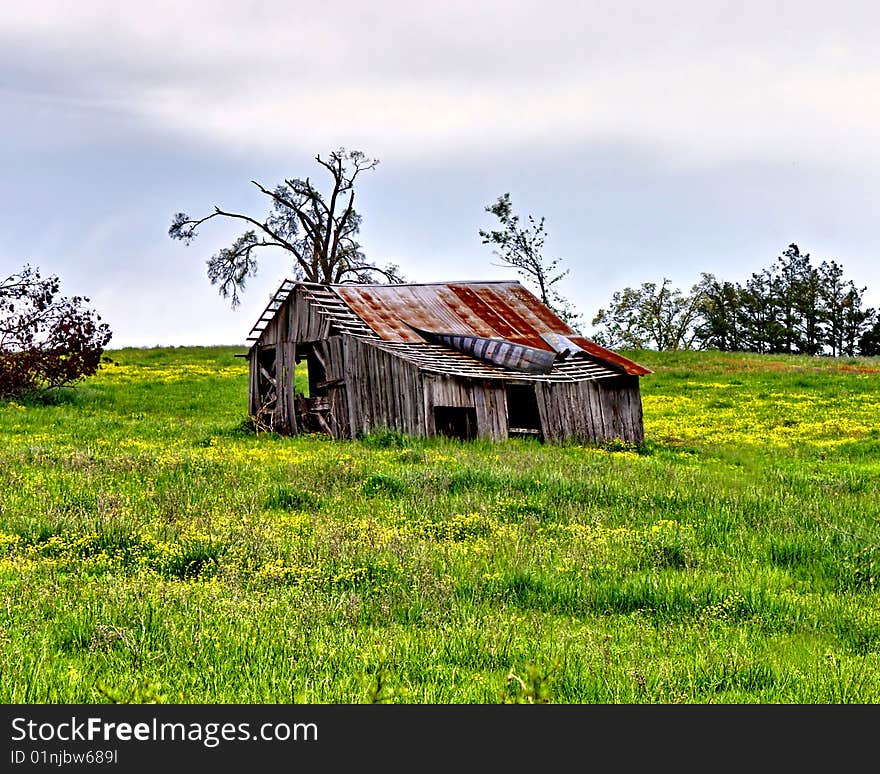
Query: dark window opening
{"x": 523, "y": 417}
{"x": 456, "y": 422}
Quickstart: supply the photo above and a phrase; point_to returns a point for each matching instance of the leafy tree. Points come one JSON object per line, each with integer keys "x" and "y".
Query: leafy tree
{"x": 759, "y": 314}
{"x": 317, "y": 230}
{"x": 790, "y": 278}
{"x": 811, "y": 313}
{"x": 846, "y": 319}
{"x": 718, "y": 305}
{"x": 649, "y": 317}
{"x": 522, "y": 247}
{"x": 834, "y": 293}
{"x": 46, "y": 340}
{"x": 857, "y": 321}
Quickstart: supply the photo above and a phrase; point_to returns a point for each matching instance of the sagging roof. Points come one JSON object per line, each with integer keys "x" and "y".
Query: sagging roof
{"x": 504, "y": 310}
{"x": 400, "y": 315}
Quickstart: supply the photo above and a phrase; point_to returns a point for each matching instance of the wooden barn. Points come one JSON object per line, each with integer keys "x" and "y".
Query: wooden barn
{"x": 464, "y": 359}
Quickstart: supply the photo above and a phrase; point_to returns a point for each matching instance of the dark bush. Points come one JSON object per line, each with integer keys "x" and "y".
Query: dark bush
{"x": 46, "y": 340}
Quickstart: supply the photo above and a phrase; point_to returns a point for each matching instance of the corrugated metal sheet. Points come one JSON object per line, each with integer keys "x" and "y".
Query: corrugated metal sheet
{"x": 562, "y": 344}
{"x": 493, "y": 310}
{"x": 499, "y": 352}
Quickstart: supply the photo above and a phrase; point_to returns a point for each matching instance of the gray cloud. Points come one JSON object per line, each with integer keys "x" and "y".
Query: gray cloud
{"x": 659, "y": 138}
{"x": 702, "y": 79}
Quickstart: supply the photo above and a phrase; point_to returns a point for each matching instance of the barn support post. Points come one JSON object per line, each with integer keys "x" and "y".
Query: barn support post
{"x": 287, "y": 352}
{"x": 253, "y": 381}
{"x": 350, "y": 393}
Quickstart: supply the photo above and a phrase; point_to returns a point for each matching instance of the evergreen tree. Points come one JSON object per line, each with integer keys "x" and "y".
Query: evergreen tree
{"x": 719, "y": 304}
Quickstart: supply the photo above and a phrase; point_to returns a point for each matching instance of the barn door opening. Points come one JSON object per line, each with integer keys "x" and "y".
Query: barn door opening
{"x": 313, "y": 407}
{"x": 523, "y": 416}
{"x": 456, "y": 422}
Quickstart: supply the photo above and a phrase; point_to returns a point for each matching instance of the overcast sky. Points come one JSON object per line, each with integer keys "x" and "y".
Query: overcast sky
{"x": 658, "y": 139}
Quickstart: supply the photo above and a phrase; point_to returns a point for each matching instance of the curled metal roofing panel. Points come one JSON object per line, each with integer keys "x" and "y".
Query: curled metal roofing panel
{"x": 500, "y": 352}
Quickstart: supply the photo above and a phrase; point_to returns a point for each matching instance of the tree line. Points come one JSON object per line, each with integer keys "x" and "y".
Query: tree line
{"x": 793, "y": 306}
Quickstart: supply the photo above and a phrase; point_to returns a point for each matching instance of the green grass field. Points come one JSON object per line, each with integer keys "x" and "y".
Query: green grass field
{"x": 153, "y": 549}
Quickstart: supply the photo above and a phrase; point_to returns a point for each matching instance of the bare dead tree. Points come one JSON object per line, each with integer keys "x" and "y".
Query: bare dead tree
{"x": 319, "y": 231}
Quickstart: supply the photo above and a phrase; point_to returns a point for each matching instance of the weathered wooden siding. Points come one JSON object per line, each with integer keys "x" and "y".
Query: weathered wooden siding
{"x": 487, "y": 398}
{"x": 384, "y": 391}
{"x": 624, "y": 397}
{"x": 285, "y": 364}
{"x": 596, "y": 410}
{"x": 331, "y": 353}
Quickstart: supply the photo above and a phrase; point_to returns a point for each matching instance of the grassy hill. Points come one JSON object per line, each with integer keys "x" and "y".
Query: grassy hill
{"x": 153, "y": 549}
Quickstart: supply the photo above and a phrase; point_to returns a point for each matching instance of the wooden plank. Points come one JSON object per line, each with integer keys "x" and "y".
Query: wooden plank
{"x": 581, "y": 416}
{"x": 544, "y": 397}
{"x": 623, "y": 404}
{"x": 269, "y": 377}
{"x": 497, "y": 402}
{"x": 597, "y": 417}
{"x": 253, "y": 381}
{"x": 607, "y": 411}
{"x": 572, "y": 416}
{"x": 594, "y": 432}
{"x": 430, "y": 425}
{"x": 617, "y": 408}
{"x": 482, "y": 404}
{"x": 288, "y": 387}
{"x": 329, "y": 383}
{"x": 364, "y": 393}
{"x": 316, "y": 351}
{"x": 338, "y": 415}
{"x": 420, "y": 423}
{"x": 348, "y": 348}
{"x": 635, "y": 409}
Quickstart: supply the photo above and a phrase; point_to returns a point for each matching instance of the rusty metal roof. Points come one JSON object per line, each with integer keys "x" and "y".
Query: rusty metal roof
{"x": 498, "y": 310}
